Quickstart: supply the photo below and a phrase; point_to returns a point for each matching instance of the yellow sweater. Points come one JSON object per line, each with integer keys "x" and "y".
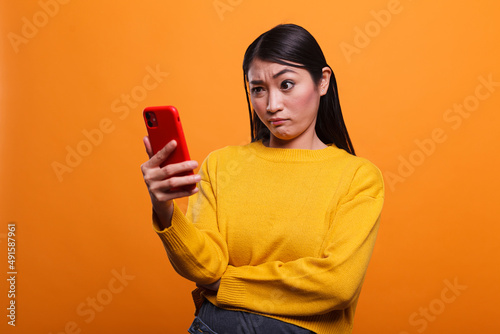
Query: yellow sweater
{"x": 289, "y": 232}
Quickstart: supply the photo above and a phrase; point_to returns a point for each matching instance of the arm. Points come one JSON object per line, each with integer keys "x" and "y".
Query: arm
{"x": 315, "y": 285}
{"x": 193, "y": 243}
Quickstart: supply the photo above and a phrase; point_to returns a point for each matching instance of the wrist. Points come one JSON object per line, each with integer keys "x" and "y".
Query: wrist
{"x": 162, "y": 214}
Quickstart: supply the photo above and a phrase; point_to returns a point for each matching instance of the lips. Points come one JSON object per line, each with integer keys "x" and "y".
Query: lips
{"x": 277, "y": 121}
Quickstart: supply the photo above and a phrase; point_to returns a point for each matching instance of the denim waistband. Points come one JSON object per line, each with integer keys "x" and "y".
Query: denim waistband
{"x": 214, "y": 320}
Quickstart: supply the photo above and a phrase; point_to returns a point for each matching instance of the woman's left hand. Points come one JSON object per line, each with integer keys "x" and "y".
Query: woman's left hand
{"x": 214, "y": 286}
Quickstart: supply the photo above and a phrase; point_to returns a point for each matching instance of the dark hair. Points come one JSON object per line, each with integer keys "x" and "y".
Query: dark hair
{"x": 290, "y": 44}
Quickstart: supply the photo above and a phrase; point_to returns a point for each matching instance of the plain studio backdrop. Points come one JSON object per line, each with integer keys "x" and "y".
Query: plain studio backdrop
{"x": 419, "y": 85}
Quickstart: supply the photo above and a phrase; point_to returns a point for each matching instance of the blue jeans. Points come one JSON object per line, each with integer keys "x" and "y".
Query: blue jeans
{"x": 214, "y": 320}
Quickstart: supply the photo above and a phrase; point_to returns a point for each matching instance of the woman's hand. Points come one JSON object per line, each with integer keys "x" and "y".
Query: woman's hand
{"x": 163, "y": 185}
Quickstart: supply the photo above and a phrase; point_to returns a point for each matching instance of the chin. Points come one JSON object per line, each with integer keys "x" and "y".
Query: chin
{"x": 283, "y": 137}
{"x": 284, "y": 140}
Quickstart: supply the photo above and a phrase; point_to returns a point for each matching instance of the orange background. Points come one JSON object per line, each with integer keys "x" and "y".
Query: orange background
{"x": 73, "y": 69}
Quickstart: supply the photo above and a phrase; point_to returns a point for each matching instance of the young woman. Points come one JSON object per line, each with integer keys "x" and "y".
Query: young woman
{"x": 279, "y": 232}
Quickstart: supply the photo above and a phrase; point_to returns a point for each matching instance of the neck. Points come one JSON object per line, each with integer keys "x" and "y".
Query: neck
{"x": 313, "y": 143}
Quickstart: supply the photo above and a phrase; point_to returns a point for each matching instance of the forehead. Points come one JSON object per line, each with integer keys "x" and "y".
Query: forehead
{"x": 262, "y": 69}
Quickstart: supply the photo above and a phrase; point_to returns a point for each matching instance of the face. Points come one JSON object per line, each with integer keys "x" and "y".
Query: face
{"x": 286, "y": 99}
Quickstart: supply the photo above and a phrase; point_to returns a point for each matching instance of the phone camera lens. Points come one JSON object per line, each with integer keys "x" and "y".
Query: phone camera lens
{"x": 150, "y": 124}
{"x": 148, "y": 115}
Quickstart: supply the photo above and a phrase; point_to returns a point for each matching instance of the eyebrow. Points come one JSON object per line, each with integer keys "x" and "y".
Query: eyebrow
{"x": 286, "y": 70}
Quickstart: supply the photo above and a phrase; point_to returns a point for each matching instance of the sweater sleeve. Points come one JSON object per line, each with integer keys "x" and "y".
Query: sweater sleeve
{"x": 316, "y": 285}
{"x": 197, "y": 252}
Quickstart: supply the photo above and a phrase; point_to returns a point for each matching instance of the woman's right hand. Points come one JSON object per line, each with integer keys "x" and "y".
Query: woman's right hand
{"x": 162, "y": 182}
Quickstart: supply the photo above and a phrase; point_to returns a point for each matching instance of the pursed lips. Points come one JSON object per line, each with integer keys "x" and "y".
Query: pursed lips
{"x": 277, "y": 121}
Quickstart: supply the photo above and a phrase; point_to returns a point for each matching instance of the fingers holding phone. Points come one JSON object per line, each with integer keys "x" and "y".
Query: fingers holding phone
{"x": 169, "y": 181}
{"x": 158, "y": 158}
{"x": 169, "y": 171}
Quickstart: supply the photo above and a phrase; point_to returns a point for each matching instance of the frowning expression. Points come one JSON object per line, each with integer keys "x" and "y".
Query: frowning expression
{"x": 286, "y": 99}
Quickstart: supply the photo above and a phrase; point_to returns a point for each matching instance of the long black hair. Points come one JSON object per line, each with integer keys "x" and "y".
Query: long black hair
{"x": 290, "y": 44}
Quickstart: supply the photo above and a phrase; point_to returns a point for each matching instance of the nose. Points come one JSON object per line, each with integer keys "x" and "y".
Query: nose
{"x": 274, "y": 102}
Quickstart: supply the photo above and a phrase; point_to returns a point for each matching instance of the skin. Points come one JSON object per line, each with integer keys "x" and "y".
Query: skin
{"x": 285, "y": 98}
{"x": 161, "y": 180}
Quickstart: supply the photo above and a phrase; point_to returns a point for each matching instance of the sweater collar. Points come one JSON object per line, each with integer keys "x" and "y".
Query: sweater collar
{"x": 292, "y": 154}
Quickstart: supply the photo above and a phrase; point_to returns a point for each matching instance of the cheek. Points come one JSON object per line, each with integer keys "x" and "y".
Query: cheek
{"x": 307, "y": 100}
{"x": 259, "y": 107}
{"x": 256, "y": 103}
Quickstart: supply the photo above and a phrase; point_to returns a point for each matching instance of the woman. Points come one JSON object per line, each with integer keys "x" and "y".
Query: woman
{"x": 279, "y": 232}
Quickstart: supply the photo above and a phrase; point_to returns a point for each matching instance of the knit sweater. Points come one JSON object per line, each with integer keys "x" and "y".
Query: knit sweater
{"x": 289, "y": 232}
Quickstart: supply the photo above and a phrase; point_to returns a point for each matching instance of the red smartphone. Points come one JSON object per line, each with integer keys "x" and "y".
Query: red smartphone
{"x": 164, "y": 124}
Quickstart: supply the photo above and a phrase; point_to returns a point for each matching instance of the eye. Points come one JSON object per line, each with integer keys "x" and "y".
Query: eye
{"x": 287, "y": 85}
{"x": 257, "y": 90}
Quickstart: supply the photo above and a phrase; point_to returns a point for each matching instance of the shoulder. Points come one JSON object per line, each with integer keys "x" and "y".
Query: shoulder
{"x": 366, "y": 178}
{"x": 358, "y": 174}
{"x": 230, "y": 155}
{"x": 233, "y": 152}
{"x": 352, "y": 163}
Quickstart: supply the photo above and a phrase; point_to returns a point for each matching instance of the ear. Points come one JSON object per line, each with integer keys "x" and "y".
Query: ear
{"x": 325, "y": 80}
